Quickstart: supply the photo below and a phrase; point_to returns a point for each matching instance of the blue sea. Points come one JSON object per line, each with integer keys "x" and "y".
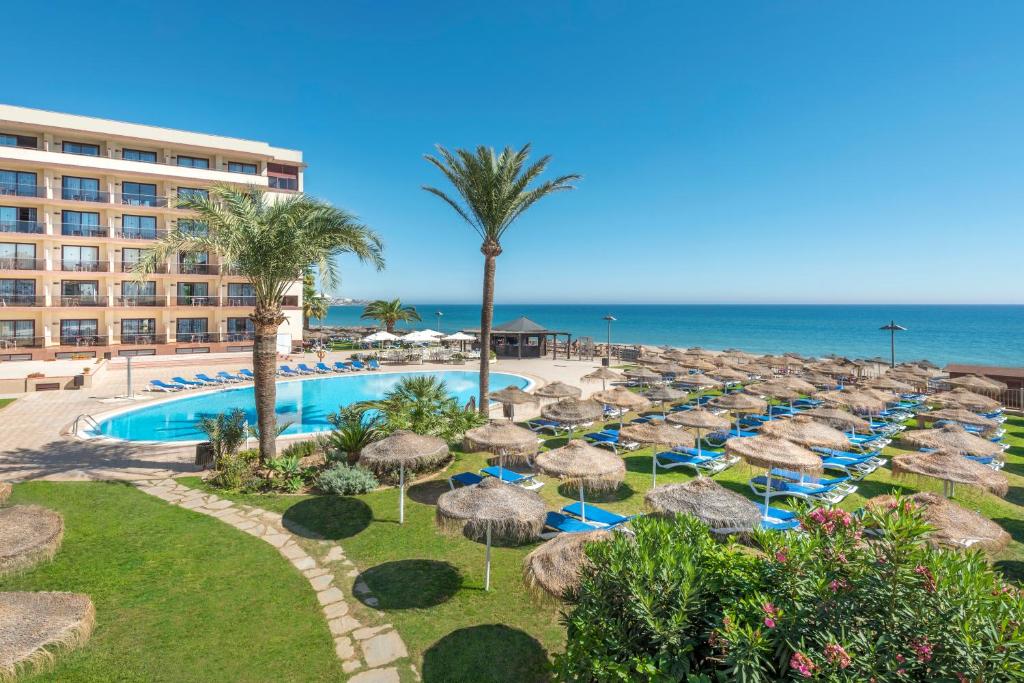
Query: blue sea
{"x": 989, "y": 335}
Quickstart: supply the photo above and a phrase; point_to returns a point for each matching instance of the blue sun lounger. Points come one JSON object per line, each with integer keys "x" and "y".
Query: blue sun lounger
{"x": 160, "y": 385}
{"x": 286, "y": 370}
{"x": 305, "y": 369}
{"x": 511, "y": 477}
{"x": 844, "y": 482}
{"x": 357, "y": 365}
{"x": 541, "y": 424}
{"x": 187, "y": 382}
{"x": 777, "y": 519}
{"x": 341, "y": 367}
{"x": 563, "y": 524}
{"x": 373, "y": 364}
{"x": 464, "y": 479}
{"x": 228, "y": 377}
{"x": 828, "y": 495}
{"x": 707, "y": 462}
{"x": 596, "y": 515}
{"x": 247, "y": 373}
{"x": 323, "y": 368}
{"x": 211, "y": 380}
{"x": 806, "y": 403}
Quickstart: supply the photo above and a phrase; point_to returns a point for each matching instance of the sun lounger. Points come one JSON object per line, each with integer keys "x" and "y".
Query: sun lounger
{"x": 610, "y": 438}
{"x": 373, "y": 364}
{"x": 764, "y": 487}
{"x": 464, "y": 479}
{"x": 306, "y": 370}
{"x": 286, "y": 371}
{"x": 844, "y": 482}
{"x": 247, "y": 373}
{"x": 708, "y": 463}
{"x": 806, "y": 403}
{"x": 542, "y": 424}
{"x": 228, "y": 377}
{"x": 716, "y": 439}
{"x": 595, "y": 515}
{"x": 211, "y": 380}
{"x": 160, "y": 385}
{"x": 291, "y": 371}
{"x": 187, "y": 382}
{"x": 341, "y": 367}
{"x": 510, "y": 477}
{"x": 558, "y": 523}
{"x": 358, "y": 365}
{"x": 777, "y": 519}
{"x": 323, "y": 368}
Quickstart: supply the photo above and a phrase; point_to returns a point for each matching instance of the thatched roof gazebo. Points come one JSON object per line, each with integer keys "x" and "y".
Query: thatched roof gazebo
{"x": 505, "y": 439}
{"x": 605, "y": 375}
{"x": 952, "y": 525}
{"x": 29, "y": 534}
{"x": 34, "y": 626}
{"x": 805, "y": 431}
{"x": 723, "y": 510}
{"x": 558, "y": 390}
{"x": 952, "y": 468}
{"x": 515, "y": 514}
{"x": 510, "y": 397}
{"x": 579, "y": 464}
{"x": 555, "y": 566}
{"x": 573, "y": 412}
{"x": 401, "y": 450}
{"x": 953, "y": 437}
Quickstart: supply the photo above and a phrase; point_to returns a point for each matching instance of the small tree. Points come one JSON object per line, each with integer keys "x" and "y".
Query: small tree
{"x": 423, "y": 405}
{"x": 389, "y": 313}
{"x": 225, "y": 432}
{"x": 352, "y": 429}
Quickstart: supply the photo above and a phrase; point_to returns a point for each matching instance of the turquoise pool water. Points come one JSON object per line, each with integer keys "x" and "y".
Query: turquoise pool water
{"x": 306, "y": 404}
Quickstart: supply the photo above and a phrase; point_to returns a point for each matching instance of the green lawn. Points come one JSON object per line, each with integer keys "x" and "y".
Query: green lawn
{"x": 430, "y": 585}
{"x": 179, "y": 596}
{"x": 6, "y": 402}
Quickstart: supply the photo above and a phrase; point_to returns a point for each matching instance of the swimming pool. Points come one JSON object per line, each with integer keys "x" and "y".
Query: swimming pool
{"x": 304, "y": 403}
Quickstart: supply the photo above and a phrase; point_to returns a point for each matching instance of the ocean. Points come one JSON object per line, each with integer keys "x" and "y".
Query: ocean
{"x": 989, "y": 335}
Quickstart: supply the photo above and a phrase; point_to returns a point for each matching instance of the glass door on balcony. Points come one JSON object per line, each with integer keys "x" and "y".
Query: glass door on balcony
{"x": 17, "y": 292}
{"x": 80, "y": 293}
{"x": 241, "y": 295}
{"x": 196, "y": 263}
{"x": 241, "y": 329}
{"x": 81, "y": 224}
{"x": 19, "y": 219}
{"x": 193, "y": 330}
{"x": 17, "y": 333}
{"x": 193, "y": 294}
{"x": 80, "y": 259}
{"x": 18, "y": 183}
{"x": 139, "y": 194}
{"x": 139, "y": 293}
{"x": 138, "y": 331}
{"x": 138, "y": 227}
{"x": 79, "y": 332}
{"x": 81, "y": 189}
{"x": 18, "y": 257}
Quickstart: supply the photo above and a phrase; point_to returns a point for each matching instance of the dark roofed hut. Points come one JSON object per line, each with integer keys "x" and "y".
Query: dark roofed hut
{"x": 523, "y": 338}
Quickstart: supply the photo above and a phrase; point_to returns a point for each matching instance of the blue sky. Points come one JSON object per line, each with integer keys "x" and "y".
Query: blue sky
{"x": 732, "y": 152}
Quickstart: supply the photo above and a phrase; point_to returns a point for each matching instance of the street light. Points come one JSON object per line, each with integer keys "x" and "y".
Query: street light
{"x": 438, "y": 314}
{"x": 893, "y": 328}
{"x": 608, "y": 349}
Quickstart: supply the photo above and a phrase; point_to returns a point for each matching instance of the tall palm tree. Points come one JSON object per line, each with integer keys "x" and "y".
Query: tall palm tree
{"x": 389, "y": 313}
{"x": 495, "y": 190}
{"x": 315, "y": 306}
{"x": 271, "y": 244}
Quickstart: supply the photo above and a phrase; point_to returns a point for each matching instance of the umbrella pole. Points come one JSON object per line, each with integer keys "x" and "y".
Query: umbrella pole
{"x": 487, "y": 571}
{"x": 401, "y": 493}
{"x": 583, "y": 505}
{"x": 654, "y": 466}
{"x": 767, "y": 494}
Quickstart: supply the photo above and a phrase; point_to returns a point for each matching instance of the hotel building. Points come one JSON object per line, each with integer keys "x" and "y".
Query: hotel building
{"x": 81, "y": 199}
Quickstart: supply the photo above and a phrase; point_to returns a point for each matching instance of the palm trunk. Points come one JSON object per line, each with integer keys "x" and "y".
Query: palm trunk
{"x": 486, "y": 318}
{"x": 264, "y": 369}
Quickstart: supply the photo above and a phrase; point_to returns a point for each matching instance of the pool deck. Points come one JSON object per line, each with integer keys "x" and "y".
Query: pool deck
{"x": 35, "y": 431}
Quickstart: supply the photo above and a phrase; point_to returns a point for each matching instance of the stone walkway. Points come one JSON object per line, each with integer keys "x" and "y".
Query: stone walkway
{"x": 372, "y": 651}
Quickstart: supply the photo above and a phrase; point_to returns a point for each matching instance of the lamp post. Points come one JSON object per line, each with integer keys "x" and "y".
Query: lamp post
{"x": 893, "y": 328}
{"x": 439, "y": 314}
{"x": 608, "y": 348}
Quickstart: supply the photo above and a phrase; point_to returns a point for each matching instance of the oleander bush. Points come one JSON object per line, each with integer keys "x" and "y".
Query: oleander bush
{"x": 346, "y": 480}
{"x": 831, "y": 604}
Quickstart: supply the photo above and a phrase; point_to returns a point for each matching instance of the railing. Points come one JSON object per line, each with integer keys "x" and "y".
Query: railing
{"x": 140, "y": 300}
{"x": 240, "y": 301}
{"x": 23, "y": 227}
{"x": 89, "y": 422}
{"x": 22, "y": 264}
{"x": 80, "y": 230}
{"x": 18, "y": 300}
{"x": 18, "y": 342}
{"x": 197, "y": 300}
{"x": 139, "y": 199}
{"x": 195, "y": 269}
{"x": 83, "y": 340}
{"x": 214, "y": 337}
{"x": 22, "y": 190}
{"x": 82, "y": 300}
{"x": 139, "y": 234}
{"x": 85, "y": 266}
{"x": 142, "y": 339}
{"x": 129, "y": 267}
{"x": 77, "y": 195}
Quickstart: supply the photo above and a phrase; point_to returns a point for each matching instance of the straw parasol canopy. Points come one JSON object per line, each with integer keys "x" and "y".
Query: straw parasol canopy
{"x": 656, "y": 434}
{"x": 513, "y": 396}
{"x": 558, "y": 390}
{"x": 772, "y": 389}
{"x": 965, "y": 399}
{"x": 952, "y": 525}
{"x": 672, "y": 369}
{"x": 807, "y": 432}
{"x": 740, "y": 403}
{"x": 976, "y": 383}
{"x": 5, "y": 492}
{"x": 721, "y": 509}
{"x": 643, "y": 375}
{"x": 796, "y": 384}
{"x": 573, "y": 411}
{"x": 761, "y": 369}
{"x": 501, "y": 438}
{"x": 699, "y": 380}
{"x": 953, "y": 437}
{"x": 888, "y": 384}
{"x": 676, "y": 355}
{"x": 664, "y": 393}
{"x": 880, "y": 394}
{"x": 856, "y": 401}
{"x": 29, "y": 534}
{"x": 818, "y": 379}
{"x": 620, "y": 397}
{"x": 699, "y": 419}
{"x": 771, "y": 451}
{"x": 840, "y": 419}
{"x": 963, "y": 417}
{"x": 555, "y": 566}
{"x": 730, "y": 375}
{"x": 578, "y": 463}
{"x": 953, "y": 468}
{"x": 402, "y": 450}
{"x": 34, "y": 626}
{"x": 604, "y": 374}
{"x": 699, "y": 364}
{"x": 512, "y": 512}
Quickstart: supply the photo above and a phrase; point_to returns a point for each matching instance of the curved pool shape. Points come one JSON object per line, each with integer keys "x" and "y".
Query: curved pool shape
{"x": 304, "y": 403}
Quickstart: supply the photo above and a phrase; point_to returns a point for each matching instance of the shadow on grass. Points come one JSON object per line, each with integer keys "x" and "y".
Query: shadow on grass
{"x": 1013, "y": 570}
{"x": 427, "y": 492}
{"x": 412, "y": 584}
{"x": 1015, "y": 495}
{"x": 489, "y": 653}
{"x": 572, "y": 491}
{"x": 330, "y": 517}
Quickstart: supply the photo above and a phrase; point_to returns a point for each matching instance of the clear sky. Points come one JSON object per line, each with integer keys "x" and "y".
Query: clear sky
{"x": 798, "y": 151}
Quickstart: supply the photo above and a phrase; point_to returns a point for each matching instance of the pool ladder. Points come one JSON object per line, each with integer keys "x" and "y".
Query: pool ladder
{"x": 86, "y": 419}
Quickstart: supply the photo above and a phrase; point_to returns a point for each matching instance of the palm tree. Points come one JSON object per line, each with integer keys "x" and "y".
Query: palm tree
{"x": 315, "y": 306}
{"x": 271, "y": 244}
{"x": 494, "y": 190}
{"x": 389, "y": 313}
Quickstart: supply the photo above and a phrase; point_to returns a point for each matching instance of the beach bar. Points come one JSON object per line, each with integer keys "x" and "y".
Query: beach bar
{"x": 523, "y": 338}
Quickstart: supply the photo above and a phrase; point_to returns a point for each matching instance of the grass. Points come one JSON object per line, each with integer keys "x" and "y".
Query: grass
{"x": 179, "y": 596}
{"x": 430, "y": 584}
{"x": 4, "y": 402}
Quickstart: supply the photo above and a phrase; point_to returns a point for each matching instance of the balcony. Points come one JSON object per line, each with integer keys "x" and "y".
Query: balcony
{"x": 197, "y": 301}
{"x": 23, "y": 227}
{"x": 21, "y": 190}
{"x": 76, "y": 195}
{"x": 240, "y": 301}
{"x": 22, "y": 264}
{"x": 85, "y": 266}
{"x": 129, "y": 267}
{"x": 131, "y": 300}
{"x": 139, "y": 234}
{"x": 213, "y": 337}
{"x": 195, "y": 269}
{"x": 83, "y": 230}
{"x": 142, "y": 339}
{"x": 19, "y": 342}
{"x": 21, "y": 300}
{"x": 83, "y": 340}
{"x": 75, "y": 300}
{"x": 136, "y": 199}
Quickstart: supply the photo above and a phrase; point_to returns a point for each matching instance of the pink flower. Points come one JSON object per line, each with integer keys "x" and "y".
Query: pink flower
{"x": 769, "y": 622}
{"x": 923, "y": 649}
{"x": 929, "y": 578}
{"x": 900, "y": 658}
{"x": 835, "y": 584}
{"x": 780, "y": 556}
{"x": 817, "y": 515}
{"x": 802, "y": 664}
{"x": 837, "y": 655}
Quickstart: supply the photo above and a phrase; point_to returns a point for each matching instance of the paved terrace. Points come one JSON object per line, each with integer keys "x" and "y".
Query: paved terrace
{"x": 35, "y": 439}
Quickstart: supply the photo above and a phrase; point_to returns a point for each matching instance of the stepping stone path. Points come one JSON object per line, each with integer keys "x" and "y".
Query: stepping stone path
{"x": 370, "y": 653}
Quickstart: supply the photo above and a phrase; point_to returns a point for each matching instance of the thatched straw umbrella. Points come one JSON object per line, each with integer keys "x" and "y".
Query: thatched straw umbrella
{"x": 952, "y": 525}
{"x": 976, "y": 383}
{"x": 771, "y": 451}
{"x": 404, "y": 449}
{"x": 573, "y": 412}
{"x": 962, "y": 416}
{"x": 699, "y": 419}
{"x": 33, "y": 626}
{"x": 840, "y": 419}
{"x": 605, "y": 375}
{"x": 643, "y": 375}
{"x": 880, "y": 394}
{"x": 730, "y": 375}
{"x": 504, "y": 439}
{"x": 725, "y": 511}
{"x": 952, "y": 468}
{"x": 818, "y": 379}
{"x": 5, "y": 492}
{"x": 656, "y": 434}
{"x": 676, "y": 355}
{"x": 773, "y": 389}
{"x": 579, "y": 464}
{"x": 664, "y": 394}
{"x": 965, "y": 399}
{"x": 953, "y": 437}
{"x": 796, "y": 384}
{"x": 888, "y": 384}
{"x": 699, "y": 364}
{"x": 558, "y": 391}
{"x": 761, "y": 370}
{"x": 739, "y": 404}
{"x": 807, "y": 432}
{"x": 510, "y": 397}
{"x": 699, "y": 381}
{"x": 29, "y": 534}
{"x": 623, "y": 399}
{"x": 856, "y": 401}
{"x": 555, "y": 566}
{"x": 514, "y": 513}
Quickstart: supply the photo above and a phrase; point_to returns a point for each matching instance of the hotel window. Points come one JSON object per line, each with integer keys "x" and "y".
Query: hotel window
{"x": 138, "y": 227}
{"x": 240, "y": 167}
{"x": 12, "y": 140}
{"x": 13, "y": 330}
{"x": 19, "y": 219}
{"x": 138, "y": 330}
{"x": 192, "y": 192}
{"x": 81, "y": 189}
{"x": 134, "y": 288}
{"x": 241, "y": 295}
{"x": 80, "y": 293}
{"x": 193, "y": 162}
{"x": 138, "y": 194}
{"x": 129, "y": 257}
{"x": 85, "y": 148}
{"x": 281, "y": 177}
{"x": 190, "y": 226}
{"x": 17, "y": 292}
{"x": 192, "y": 330}
{"x": 18, "y": 183}
{"x": 17, "y": 256}
{"x": 240, "y": 329}
{"x": 196, "y": 263}
{"x": 84, "y": 259}
{"x": 79, "y": 331}
{"x": 81, "y": 224}
{"x": 193, "y": 294}
{"x": 138, "y": 155}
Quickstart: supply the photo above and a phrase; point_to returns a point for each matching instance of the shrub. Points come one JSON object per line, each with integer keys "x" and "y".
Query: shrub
{"x": 828, "y": 604}
{"x": 239, "y": 472}
{"x": 346, "y": 480}
{"x": 301, "y": 449}
{"x": 288, "y": 474}
{"x": 225, "y": 432}
{"x": 352, "y": 429}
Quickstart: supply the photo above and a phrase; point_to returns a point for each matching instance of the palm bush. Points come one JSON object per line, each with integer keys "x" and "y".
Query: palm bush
{"x": 389, "y": 313}
{"x": 352, "y": 429}
{"x": 226, "y": 433}
{"x": 422, "y": 404}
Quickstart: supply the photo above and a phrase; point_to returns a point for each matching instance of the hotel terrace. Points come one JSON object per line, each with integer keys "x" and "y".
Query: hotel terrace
{"x": 81, "y": 199}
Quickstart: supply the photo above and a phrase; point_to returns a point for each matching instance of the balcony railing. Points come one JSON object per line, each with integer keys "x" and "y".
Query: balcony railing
{"x": 19, "y": 342}
{"x": 22, "y": 264}
{"x": 138, "y": 199}
{"x": 141, "y": 300}
{"x": 195, "y": 269}
{"x": 85, "y": 266}
{"x": 77, "y": 195}
{"x": 240, "y": 301}
{"x": 214, "y": 337}
{"x": 193, "y": 300}
{"x": 129, "y": 267}
{"x": 139, "y": 234}
{"x": 80, "y": 230}
{"x": 142, "y": 339}
{"x": 23, "y": 227}
{"x": 20, "y": 300}
{"x": 82, "y": 300}
{"x": 83, "y": 340}
{"x": 22, "y": 190}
